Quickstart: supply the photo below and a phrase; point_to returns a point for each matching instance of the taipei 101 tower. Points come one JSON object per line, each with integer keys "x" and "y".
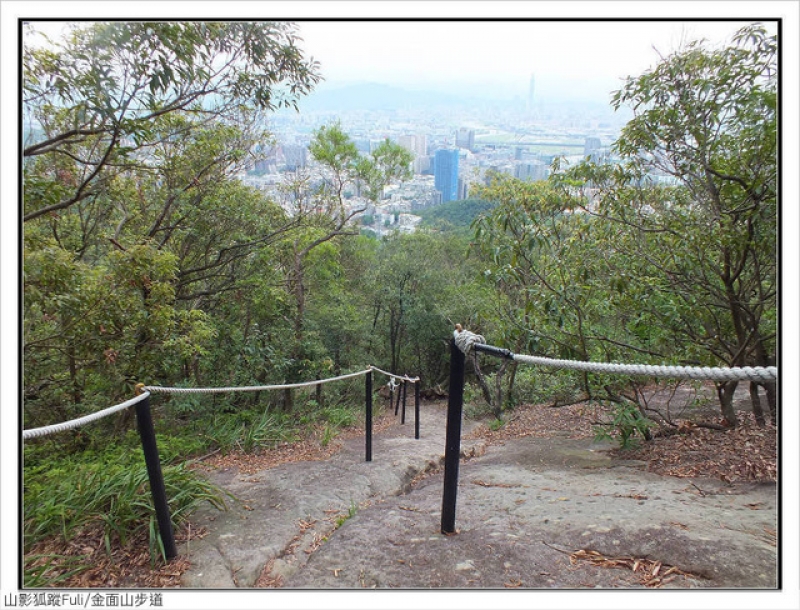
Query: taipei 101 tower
{"x": 531, "y": 88}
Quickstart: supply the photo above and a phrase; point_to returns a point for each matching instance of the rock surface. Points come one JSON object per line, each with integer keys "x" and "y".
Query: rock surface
{"x": 551, "y": 513}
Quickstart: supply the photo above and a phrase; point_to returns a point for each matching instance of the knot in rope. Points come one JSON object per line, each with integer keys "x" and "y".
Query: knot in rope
{"x": 466, "y": 340}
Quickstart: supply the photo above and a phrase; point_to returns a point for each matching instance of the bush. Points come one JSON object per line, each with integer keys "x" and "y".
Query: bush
{"x": 62, "y": 496}
{"x": 627, "y": 424}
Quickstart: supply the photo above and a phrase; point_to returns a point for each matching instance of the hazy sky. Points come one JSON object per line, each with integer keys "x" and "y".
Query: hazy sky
{"x": 569, "y": 58}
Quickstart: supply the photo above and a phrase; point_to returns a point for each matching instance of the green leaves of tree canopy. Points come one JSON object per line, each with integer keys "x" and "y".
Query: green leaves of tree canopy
{"x": 97, "y": 94}
{"x": 688, "y": 217}
{"x": 707, "y": 118}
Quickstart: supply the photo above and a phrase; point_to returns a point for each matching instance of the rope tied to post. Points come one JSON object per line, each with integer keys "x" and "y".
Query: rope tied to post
{"x": 466, "y": 340}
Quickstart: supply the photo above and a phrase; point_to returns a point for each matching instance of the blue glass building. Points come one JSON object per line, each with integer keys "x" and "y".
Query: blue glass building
{"x": 445, "y": 174}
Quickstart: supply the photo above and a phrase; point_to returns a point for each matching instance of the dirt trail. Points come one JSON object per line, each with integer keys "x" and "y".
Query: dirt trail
{"x": 523, "y": 508}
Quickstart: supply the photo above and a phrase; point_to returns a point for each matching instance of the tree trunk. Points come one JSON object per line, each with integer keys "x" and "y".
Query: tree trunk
{"x": 73, "y": 376}
{"x": 495, "y": 404}
{"x": 769, "y": 388}
{"x": 755, "y": 400}
{"x": 498, "y": 384}
{"x": 299, "y": 290}
{"x": 725, "y": 392}
{"x": 510, "y": 386}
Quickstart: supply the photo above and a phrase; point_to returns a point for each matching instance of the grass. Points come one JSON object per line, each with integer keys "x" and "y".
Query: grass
{"x": 342, "y": 519}
{"x": 64, "y": 496}
{"x": 106, "y": 484}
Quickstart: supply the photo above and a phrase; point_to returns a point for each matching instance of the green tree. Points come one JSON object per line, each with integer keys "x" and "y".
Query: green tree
{"x": 134, "y": 229}
{"x": 557, "y": 281}
{"x": 94, "y": 97}
{"x": 322, "y": 203}
{"x": 706, "y": 120}
{"x": 419, "y": 285}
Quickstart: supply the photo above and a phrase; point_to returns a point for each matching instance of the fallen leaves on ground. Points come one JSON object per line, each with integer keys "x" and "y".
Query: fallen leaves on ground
{"x": 650, "y": 573}
{"x": 539, "y": 421}
{"x": 504, "y": 485}
{"x": 307, "y": 450}
{"x": 83, "y": 561}
{"x": 746, "y": 453}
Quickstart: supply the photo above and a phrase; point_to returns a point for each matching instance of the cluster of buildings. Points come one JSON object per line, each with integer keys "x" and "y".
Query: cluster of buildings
{"x": 454, "y": 149}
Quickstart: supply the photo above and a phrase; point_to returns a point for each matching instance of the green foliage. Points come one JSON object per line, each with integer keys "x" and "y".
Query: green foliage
{"x": 454, "y": 215}
{"x": 628, "y": 426}
{"x": 496, "y": 424}
{"x": 110, "y": 487}
{"x": 342, "y": 519}
{"x": 99, "y": 95}
{"x": 612, "y": 262}
{"x": 249, "y": 431}
{"x": 540, "y": 385}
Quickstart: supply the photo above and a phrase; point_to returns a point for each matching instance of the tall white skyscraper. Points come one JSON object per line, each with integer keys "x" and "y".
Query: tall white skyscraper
{"x": 531, "y": 89}
{"x": 417, "y": 144}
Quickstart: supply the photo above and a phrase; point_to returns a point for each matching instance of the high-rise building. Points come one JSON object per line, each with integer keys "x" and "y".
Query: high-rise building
{"x": 294, "y": 157}
{"x": 531, "y": 89}
{"x": 591, "y": 147}
{"x": 465, "y": 138}
{"x": 445, "y": 173}
{"x": 531, "y": 171}
{"x": 422, "y": 144}
{"x": 409, "y": 143}
{"x": 463, "y": 189}
{"x": 417, "y": 144}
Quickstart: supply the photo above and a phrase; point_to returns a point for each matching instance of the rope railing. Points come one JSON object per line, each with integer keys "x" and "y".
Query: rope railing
{"x": 147, "y": 433}
{"x": 395, "y": 376}
{"x": 80, "y": 421}
{"x": 256, "y": 388}
{"x": 153, "y": 389}
{"x": 467, "y": 341}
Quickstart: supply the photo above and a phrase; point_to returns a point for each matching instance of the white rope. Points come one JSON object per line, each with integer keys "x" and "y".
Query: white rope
{"x": 748, "y": 373}
{"x": 465, "y": 340}
{"x": 285, "y": 386}
{"x": 393, "y": 376}
{"x": 67, "y": 425}
{"x": 44, "y": 431}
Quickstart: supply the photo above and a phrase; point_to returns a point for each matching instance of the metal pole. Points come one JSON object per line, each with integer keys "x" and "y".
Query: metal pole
{"x": 403, "y": 412}
{"x": 147, "y": 433}
{"x": 368, "y": 425}
{"x": 416, "y": 409}
{"x": 452, "y": 452}
{"x": 397, "y": 402}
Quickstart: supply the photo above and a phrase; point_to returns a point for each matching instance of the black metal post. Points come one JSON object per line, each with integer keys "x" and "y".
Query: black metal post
{"x": 403, "y": 412}
{"x": 416, "y": 409}
{"x": 397, "y": 402}
{"x": 144, "y": 421}
{"x": 368, "y": 424}
{"x": 452, "y": 452}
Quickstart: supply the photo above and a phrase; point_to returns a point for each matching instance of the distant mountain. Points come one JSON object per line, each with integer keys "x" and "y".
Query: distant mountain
{"x": 374, "y": 96}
